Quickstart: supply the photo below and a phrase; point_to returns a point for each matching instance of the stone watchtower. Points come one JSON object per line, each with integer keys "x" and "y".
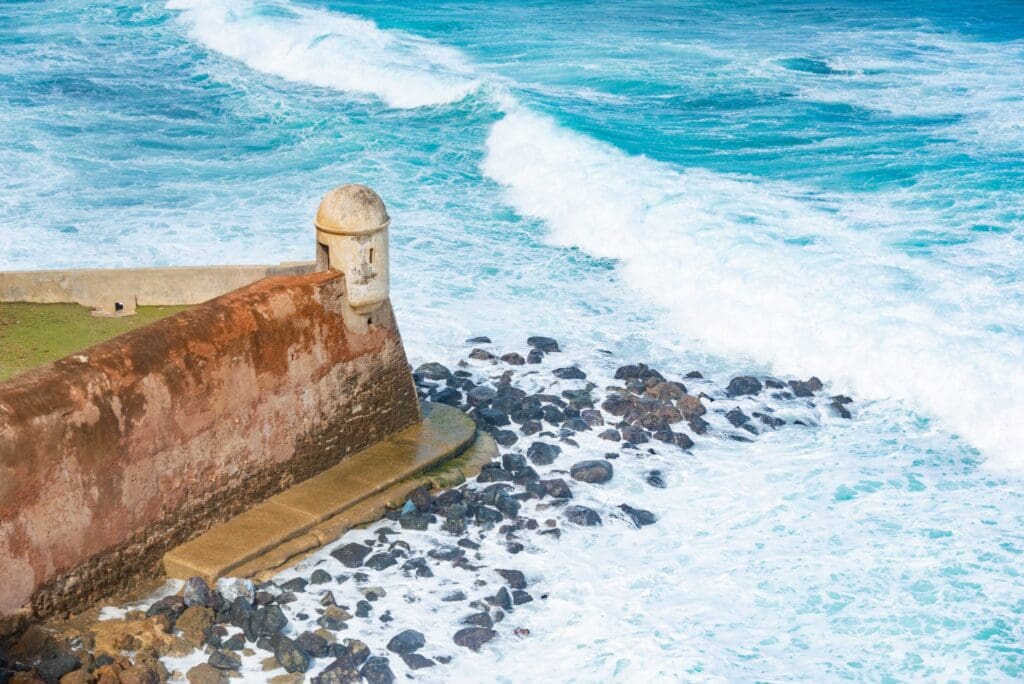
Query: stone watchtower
{"x": 352, "y": 237}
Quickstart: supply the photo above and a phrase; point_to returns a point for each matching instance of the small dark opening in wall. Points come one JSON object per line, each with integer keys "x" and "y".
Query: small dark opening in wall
{"x": 118, "y": 306}
{"x": 371, "y": 255}
{"x": 369, "y": 321}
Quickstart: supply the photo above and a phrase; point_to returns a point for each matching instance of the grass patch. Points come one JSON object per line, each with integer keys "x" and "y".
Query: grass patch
{"x": 34, "y": 334}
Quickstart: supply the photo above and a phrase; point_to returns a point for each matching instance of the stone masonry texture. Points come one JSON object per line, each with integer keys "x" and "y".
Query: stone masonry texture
{"x": 111, "y": 456}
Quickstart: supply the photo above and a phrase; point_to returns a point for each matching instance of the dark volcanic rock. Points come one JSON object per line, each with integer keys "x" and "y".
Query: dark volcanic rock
{"x": 290, "y": 655}
{"x": 198, "y": 593}
{"x": 225, "y": 660}
{"x": 513, "y": 462}
{"x": 480, "y": 395}
{"x": 421, "y": 499}
{"x": 170, "y": 606}
{"x": 581, "y": 515}
{"x": 570, "y": 373}
{"x": 639, "y": 516}
{"x": 377, "y": 670}
{"x": 473, "y": 638}
{"x": 515, "y": 578}
{"x": 313, "y": 644}
{"x": 634, "y": 435}
{"x": 806, "y": 388}
{"x": 494, "y": 473}
{"x": 481, "y": 355}
{"x": 744, "y": 384}
{"x": 535, "y": 356}
{"x": 611, "y": 434}
{"x": 655, "y": 479}
{"x": 434, "y": 371}
{"x": 55, "y": 665}
{"x": 351, "y": 555}
{"x": 557, "y": 488}
{"x": 596, "y": 471}
{"x": 505, "y": 438}
{"x": 493, "y": 417}
{"x": 482, "y": 339}
{"x": 840, "y": 410}
{"x": 513, "y": 359}
{"x": 542, "y": 453}
{"x": 448, "y": 395}
{"x": 381, "y": 560}
{"x": 698, "y": 425}
{"x": 544, "y": 344}
{"x": 482, "y": 619}
{"x": 268, "y": 620}
{"x": 320, "y": 576}
{"x": 414, "y": 661}
{"x": 407, "y": 641}
{"x": 737, "y": 417}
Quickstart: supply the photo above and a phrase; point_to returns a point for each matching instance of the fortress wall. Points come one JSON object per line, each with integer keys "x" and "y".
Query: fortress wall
{"x": 113, "y": 455}
{"x": 148, "y": 286}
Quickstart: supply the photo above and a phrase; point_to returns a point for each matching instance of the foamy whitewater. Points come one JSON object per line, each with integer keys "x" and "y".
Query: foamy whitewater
{"x": 771, "y": 187}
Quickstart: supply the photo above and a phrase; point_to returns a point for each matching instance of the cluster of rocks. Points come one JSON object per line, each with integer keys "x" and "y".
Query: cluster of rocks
{"x": 539, "y": 412}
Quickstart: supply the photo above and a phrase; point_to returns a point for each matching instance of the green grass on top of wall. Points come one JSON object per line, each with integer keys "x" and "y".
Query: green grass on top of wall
{"x": 34, "y": 334}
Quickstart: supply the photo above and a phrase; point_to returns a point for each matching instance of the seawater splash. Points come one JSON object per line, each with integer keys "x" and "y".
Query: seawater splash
{"x": 330, "y": 50}
{"x": 801, "y": 280}
{"x": 771, "y": 272}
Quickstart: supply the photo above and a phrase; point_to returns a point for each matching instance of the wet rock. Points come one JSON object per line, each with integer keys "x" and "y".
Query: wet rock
{"x": 313, "y": 644}
{"x": 596, "y": 471}
{"x": 569, "y": 373}
{"x": 581, "y": 515}
{"x": 492, "y": 417}
{"x": 456, "y": 595}
{"x": 334, "y": 618}
{"x": 633, "y": 434}
{"x": 552, "y": 414}
{"x": 769, "y": 420}
{"x": 519, "y": 597}
{"x": 742, "y": 385}
{"x": 320, "y": 576}
{"x": 638, "y": 516}
{"x": 342, "y": 671}
{"x": 194, "y": 623}
{"x": 513, "y": 461}
{"x": 434, "y": 371}
{"x": 381, "y": 561}
{"x": 418, "y": 566}
{"x": 576, "y": 425}
{"x": 481, "y": 355}
{"x": 140, "y": 674}
{"x": 502, "y": 599}
{"x": 806, "y": 388}
{"x": 557, "y": 488}
{"x": 169, "y": 606}
{"x": 508, "y": 506}
{"x": 617, "y": 404}
{"x": 206, "y": 674}
{"x": 408, "y": 521}
{"x": 240, "y": 615}
{"x": 197, "y": 593}
{"x": 56, "y": 664}
{"x": 421, "y": 499}
{"x": 414, "y": 661}
{"x": 505, "y": 438}
{"x": 592, "y": 417}
{"x": 698, "y": 425}
{"x": 481, "y": 395}
{"x": 513, "y": 359}
{"x": 494, "y": 473}
{"x": 482, "y": 339}
{"x": 611, "y": 434}
{"x": 544, "y": 344}
{"x": 473, "y": 638}
{"x": 377, "y": 670}
{"x": 268, "y": 621}
{"x": 407, "y": 641}
{"x": 455, "y": 519}
{"x": 514, "y": 578}
{"x": 225, "y": 660}
{"x": 737, "y": 417}
{"x": 449, "y": 396}
{"x": 290, "y": 655}
{"x": 363, "y": 608}
{"x": 535, "y": 356}
{"x": 840, "y": 410}
{"x": 542, "y": 453}
{"x": 487, "y": 515}
{"x": 481, "y": 619}
{"x": 235, "y": 643}
{"x": 690, "y": 407}
{"x": 351, "y": 555}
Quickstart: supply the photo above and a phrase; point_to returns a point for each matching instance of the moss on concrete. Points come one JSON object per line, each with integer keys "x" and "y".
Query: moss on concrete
{"x": 34, "y": 334}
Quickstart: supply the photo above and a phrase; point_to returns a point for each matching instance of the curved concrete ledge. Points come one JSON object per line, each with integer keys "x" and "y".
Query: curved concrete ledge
{"x": 318, "y": 510}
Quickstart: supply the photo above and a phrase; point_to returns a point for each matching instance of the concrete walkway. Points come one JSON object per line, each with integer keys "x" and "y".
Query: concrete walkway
{"x": 441, "y": 451}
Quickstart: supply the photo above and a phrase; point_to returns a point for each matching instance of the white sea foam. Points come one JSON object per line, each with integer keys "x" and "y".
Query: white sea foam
{"x": 330, "y": 50}
{"x": 771, "y": 273}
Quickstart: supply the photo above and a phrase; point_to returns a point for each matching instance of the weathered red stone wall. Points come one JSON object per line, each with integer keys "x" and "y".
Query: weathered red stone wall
{"x": 111, "y": 456}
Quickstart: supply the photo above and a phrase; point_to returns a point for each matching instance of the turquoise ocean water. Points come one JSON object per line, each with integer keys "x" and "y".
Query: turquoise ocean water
{"x": 782, "y": 187}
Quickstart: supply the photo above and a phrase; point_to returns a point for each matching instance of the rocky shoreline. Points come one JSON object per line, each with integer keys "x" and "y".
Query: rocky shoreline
{"x": 446, "y": 559}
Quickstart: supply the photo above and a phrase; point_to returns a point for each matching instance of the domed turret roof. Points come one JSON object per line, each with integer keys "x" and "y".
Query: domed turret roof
{"x": 351, "y": 210}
